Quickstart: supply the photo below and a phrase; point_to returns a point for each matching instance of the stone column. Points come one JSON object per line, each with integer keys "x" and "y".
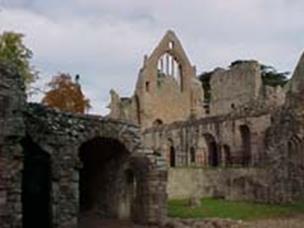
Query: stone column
{"x": 151, "y": 198}
{"x": 65, "y": 193}
{"x": 167, "y": 64}
{"x": 255, "y": 142}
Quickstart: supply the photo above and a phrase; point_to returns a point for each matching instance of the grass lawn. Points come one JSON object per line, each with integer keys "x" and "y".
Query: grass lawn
{"x": 230, "y": 209}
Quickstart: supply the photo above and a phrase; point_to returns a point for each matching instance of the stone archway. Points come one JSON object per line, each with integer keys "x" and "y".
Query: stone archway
{"x": 214, "y": 158}
{"x": 192, "y": 155}
{"x": 36, "y": 186}
{"x": 172, "y": 157}
{"x": 107, "y": 184}
{"x": 246, "y": 144}
{"x": 88, "y": 150}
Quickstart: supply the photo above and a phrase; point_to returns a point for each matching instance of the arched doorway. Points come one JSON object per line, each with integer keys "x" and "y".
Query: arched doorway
{"x": 107, "y": 184}
{"x": 192, "y": 155}
{"x": 213, "y": 153}
{"x": 172, "y": 157}
{"x": 246, "y": 144}
{"x": 36, "y": 186}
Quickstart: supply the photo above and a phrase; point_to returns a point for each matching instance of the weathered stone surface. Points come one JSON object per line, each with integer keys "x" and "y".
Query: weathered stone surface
{"x": 28, "y": 128}
{"x": 162, "y": 97}
{"x": 12, "y": 128}
{"x": 163, "y": 93}
{"x": 244, "y": 124}
{"x": 248, "y": 147}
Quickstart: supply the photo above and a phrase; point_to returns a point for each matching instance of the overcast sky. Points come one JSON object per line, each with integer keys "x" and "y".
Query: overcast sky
{"x": 105, "y": 40}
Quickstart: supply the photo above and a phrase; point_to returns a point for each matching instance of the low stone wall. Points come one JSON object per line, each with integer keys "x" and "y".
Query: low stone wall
{"x": 228, "y": 183}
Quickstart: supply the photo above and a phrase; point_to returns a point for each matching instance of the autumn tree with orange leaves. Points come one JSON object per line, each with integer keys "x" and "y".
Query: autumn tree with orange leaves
{"x": 66, "y": 95}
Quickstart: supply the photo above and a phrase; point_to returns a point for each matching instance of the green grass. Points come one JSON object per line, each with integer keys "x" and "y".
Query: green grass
{"x": 220, "y": 208}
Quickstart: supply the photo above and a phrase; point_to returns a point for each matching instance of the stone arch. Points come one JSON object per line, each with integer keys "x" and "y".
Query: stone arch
{"x": 79, "y": 132}
{"x": 106, "y": 179}
{"x": 192, "y": 155}
{"x": 168, "y": 65}
{"x": 126, "y": 134}
{"x": 172, "y": 153}
{"x": 170, "y": 47}
{"x": 170, "y": 44}
{"x": 214, "y": 158}
{"x": 245, "y": 144}
{"x": 36, "y": 186}
{"x": 172, "y": 157}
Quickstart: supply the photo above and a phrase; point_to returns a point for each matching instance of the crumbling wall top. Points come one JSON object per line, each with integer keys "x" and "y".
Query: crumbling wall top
{"x": 234, "y": 87}
{"x": 297, "y": 81}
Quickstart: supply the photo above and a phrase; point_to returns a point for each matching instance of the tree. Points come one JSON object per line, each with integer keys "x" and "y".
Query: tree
{"x": 66, "y": 95}
{"x": 272, "y": 77}
{"x": 14, "y": 53}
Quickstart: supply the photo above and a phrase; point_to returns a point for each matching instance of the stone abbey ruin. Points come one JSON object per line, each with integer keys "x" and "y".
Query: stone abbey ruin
{"x": 247, "y": 138}
{"x": 166, "y": 141}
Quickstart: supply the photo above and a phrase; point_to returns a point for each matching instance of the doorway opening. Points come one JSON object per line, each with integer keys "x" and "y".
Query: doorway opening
{"x": 36, "y": 186}
{"x": 107, "y": 187}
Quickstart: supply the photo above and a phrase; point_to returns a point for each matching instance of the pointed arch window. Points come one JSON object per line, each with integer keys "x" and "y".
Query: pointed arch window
{"x": 168, "y": 65}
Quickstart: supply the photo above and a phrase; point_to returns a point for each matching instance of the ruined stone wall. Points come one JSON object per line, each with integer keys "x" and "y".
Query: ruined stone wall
{"x": 12, "y": 129}
{"x": 167, "y": 89}
{"x": 234, "y": 176}
{"x": 124, "y": 108}
{"x": 274, "y": 96}
{"x": 59, "y": 136}
{"x": 234, "y": 87}
{"x": 66, "y": 132}
{"x": 276, "y": 141}
{"x": 241, "y": 86}
{"x": 227, "y": 183}
{"x": 224, "y": 129}
{"x": 163, "y": 96}
{"x": 285, "y": 141}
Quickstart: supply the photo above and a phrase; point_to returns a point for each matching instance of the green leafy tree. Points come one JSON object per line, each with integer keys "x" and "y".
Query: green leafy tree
{"x": 14, "y": 53}
{"x": 272, "y": 77}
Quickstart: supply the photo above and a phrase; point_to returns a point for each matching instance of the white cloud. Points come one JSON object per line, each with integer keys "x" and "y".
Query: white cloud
{"x": 104, "y": 40}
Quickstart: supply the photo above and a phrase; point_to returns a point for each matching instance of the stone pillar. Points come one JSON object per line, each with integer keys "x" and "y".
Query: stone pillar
{"x": 151, "y": 198}
{"x": 65, "y": 192}
{"x": 167, "y": 64}
{"x": 12, "y": 130}
{"x": 256, "y": 142}
{"x": 172, "y": 67}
